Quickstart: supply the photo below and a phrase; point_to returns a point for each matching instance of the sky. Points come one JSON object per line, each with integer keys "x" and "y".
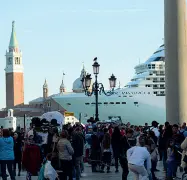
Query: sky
{"x": 59, "y": 36}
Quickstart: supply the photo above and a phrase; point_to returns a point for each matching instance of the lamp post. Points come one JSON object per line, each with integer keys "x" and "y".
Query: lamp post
{"x": 97, "y": 88}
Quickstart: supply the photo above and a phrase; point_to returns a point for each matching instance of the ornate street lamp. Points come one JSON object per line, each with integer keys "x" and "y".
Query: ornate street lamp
{"x": 97, "y": 88}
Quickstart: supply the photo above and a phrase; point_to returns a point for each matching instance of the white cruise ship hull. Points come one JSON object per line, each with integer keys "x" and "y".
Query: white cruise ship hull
{"x": 136, "y": 109}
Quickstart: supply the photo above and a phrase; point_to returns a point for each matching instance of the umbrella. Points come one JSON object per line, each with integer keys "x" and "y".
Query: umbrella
{"x": 54, "y": 115}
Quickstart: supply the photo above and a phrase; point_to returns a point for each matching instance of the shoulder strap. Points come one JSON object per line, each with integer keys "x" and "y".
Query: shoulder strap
{"x": 54, "y": 145}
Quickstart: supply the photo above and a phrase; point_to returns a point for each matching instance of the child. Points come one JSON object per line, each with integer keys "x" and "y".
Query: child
{"x": 171, "y": 162}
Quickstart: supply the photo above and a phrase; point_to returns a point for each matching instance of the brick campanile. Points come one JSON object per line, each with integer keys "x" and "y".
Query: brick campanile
{"x": 14, "y": 73}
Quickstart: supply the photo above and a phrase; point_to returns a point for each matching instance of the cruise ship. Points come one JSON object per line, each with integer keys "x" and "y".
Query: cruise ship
{"x": 141, "y": 101}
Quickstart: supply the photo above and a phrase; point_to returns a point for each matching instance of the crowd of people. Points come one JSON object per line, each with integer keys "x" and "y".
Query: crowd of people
{"x": 50, "y": 152}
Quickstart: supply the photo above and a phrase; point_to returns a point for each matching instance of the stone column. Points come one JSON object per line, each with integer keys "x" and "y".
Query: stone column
{"x": 175, "y": 61}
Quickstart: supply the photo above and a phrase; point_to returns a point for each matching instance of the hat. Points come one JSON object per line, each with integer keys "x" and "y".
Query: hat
{"x": 36, "y": 121}
{"x": 44, "y": 122}
{"x": 155, "y": 123}
{"x": 54, "y": 122}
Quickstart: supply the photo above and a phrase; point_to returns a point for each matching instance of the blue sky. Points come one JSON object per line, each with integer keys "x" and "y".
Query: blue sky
{"x": 57, "y": 36}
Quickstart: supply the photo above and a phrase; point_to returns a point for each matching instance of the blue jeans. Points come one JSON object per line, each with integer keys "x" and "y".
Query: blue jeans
{"x": 171, "y": 168}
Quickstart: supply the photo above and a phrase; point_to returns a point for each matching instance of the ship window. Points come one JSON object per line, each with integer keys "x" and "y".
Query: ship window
{"x": 161, "y": 92}
{"x": 93, "y": 103}
{"x": 111, "y": 102}
{"x": 135, "y": 103}
{"x": 155, "y": 92}
{"x": 157, "y": 59}
{"x": 147, "y": 78}
{"x": 105, "y": 103}
{"x": 147, "y": 85}
{"x": 99, "y": 103}
{"x": 162, "y": 85}
{"x": 87, "y": 103}
{"x": 123, "y": 102}
{"x": 154, "y": 85}
{"x": 68, "y": 104}
{"x": 117, "y": 102}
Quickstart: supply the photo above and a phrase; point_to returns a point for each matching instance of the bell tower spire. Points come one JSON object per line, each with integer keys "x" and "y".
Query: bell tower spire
{"x": 62, "y": 86}
{"x": 13, "y": 45}
{"x": 45, "y": 89}
{"x": 14, "y": 72}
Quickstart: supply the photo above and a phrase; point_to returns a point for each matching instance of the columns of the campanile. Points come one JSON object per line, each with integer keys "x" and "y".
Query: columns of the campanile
{"x": 176, "y": 61}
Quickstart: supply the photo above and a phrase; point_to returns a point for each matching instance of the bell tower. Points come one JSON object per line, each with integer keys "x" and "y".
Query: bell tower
{"x": 14, "y": 73}
{"x": 45, "y": 90}
{"x": 62, "y": 86}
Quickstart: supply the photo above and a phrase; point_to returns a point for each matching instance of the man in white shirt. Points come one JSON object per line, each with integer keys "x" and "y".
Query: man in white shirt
{"x": 137, "y": 156}
{"x": 154, "y": 128}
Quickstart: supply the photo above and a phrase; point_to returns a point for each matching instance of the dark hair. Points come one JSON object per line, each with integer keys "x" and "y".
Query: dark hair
{"x": 49, "y": 156}
{"x": 116, "y": 134}
{"x": 167, "y": 123}
{"x": 6, "y": 133}
{"x": 176, "y": 126}
{"x": 64, "y": 134}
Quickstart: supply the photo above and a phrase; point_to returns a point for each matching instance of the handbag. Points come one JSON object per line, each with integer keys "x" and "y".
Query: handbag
{"x": 154, "y": 155}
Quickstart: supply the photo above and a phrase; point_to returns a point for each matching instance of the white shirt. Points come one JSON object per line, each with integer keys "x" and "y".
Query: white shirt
{"x": 49, "y": 172}
{"x": 138, "y": 155}
{"x": 156, "y": 131}
{"x": 44, "y": 137}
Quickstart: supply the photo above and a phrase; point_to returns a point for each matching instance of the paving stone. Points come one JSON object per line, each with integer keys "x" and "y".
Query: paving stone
{"x": 107, "y": 176}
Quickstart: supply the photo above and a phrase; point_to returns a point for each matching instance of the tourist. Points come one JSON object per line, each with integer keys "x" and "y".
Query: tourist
{"x": 177, "y": 138}
{"x": 95, "y": 150}
{"x": 136, "y": 157}
{"x": 7, "y": 154}
{"x": 116, "y": 137}
{"x": 31, "y": 158}
{"x": 78, "y": 146}
{"x": 65, "y": 155}
{"x": 17, "y": 152}
{"x": 106, "y": 149}
{"x": 124, "y": 146}
{"x": 171, "y": 161}
{"x": 155, "y": 129}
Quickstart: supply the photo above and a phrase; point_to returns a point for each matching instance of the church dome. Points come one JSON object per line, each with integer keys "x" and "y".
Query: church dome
{"x": 77, "y": 84}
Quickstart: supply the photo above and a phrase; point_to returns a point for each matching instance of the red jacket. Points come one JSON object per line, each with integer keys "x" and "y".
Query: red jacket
{"x": 31, "y": 159}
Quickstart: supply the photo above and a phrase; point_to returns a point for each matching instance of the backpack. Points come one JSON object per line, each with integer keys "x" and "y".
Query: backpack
{"x": 41, "y": 173}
